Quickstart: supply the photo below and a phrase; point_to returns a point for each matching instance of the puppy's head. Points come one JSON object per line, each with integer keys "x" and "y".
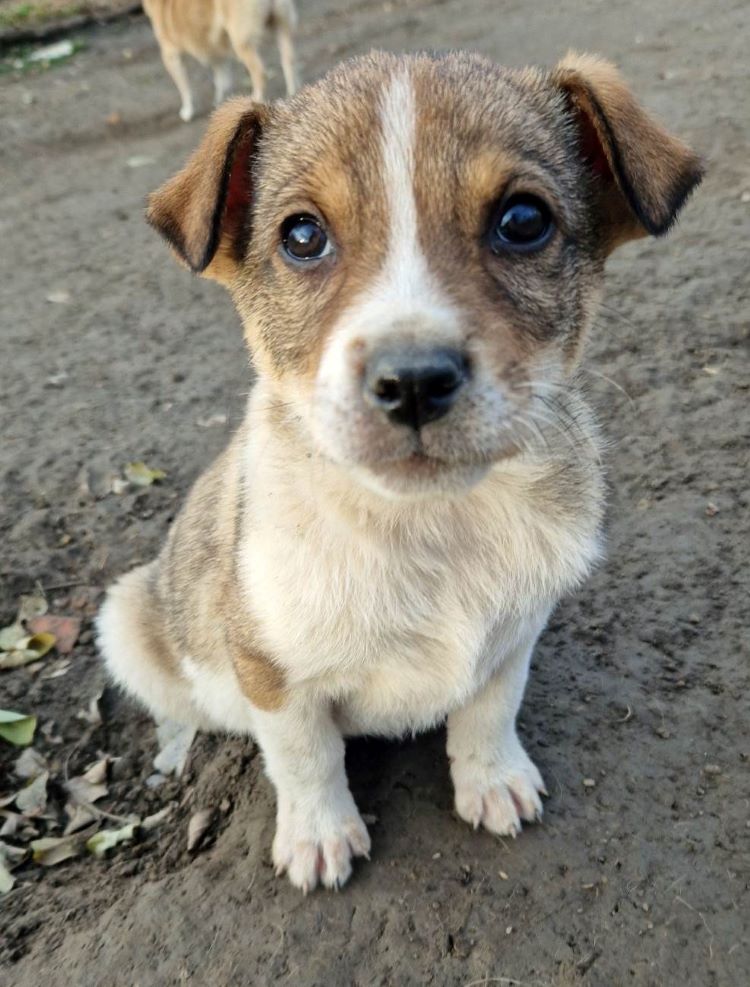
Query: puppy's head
{"x": 415, "y": 245}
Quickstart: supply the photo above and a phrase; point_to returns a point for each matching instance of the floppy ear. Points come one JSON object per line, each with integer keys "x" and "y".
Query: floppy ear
{"x": 644, "y": 175}
{"x": 203, "y": 211}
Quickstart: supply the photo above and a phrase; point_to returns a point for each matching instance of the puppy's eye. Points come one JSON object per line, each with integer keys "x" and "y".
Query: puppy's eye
{"x": 522, "y": 224}
{"x": 303, "y": 238}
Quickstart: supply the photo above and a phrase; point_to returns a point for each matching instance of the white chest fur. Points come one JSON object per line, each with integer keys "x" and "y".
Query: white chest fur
{"x": 398, "y": 612}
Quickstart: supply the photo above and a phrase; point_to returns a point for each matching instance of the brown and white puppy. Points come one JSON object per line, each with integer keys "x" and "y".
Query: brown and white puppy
{"x": 416, "y": 246}
{"x": 217, "y": 31}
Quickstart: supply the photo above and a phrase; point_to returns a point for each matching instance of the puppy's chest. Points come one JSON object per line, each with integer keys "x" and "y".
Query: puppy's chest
{"x": 403, "y": 627}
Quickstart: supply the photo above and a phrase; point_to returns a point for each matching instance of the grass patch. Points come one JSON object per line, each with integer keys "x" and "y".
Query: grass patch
{"x": 29, "y": 13}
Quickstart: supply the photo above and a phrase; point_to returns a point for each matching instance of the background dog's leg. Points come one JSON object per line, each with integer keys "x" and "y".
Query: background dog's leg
{"x": 496, "y": 783}
{"x": 174, "y": 65}
{"x": 222, "y": 81}
{"x": 248, "y": 55}
{"x": 286, "y": 54}
{"x": 318, "y": 826}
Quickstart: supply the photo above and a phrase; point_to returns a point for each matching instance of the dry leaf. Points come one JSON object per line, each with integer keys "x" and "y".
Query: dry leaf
{"x": 31, "y": 605}
{"x": 51, "y": 850}
{"x": 82, "y": 792}
{"x": 27, "y": 650}
{"x": 198, "y": 827}
{"x": 91, "y": 785}
{"x": 100, "y": 843}
{"x": 59, "y": 669}
{"x": 141, "y": 475}
{"x": 17, "y": 728}
{"x": 151, "y": 822}
{"x": 97, "y": 772}
{"x": 10, "y": 857}
{"x": 79, "y": 816}
{"x": 30, "y": 764}
{"x": 32, "y": 799}
{"x": 13, "y": 822}
{"x": 64, "y": 629}
{"x": 11, "y": 635}
{"x": 6, "y": 878}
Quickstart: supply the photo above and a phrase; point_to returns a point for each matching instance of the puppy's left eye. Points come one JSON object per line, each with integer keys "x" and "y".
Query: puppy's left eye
{"x": 303, "y": 238}
{"x": 522, "y": 224}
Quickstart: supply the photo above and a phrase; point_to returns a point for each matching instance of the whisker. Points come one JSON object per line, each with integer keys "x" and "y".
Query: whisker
{"x": 608, "y": 380}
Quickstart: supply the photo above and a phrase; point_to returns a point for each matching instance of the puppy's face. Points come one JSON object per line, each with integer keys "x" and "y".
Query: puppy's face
{"x": 415, "y": 245}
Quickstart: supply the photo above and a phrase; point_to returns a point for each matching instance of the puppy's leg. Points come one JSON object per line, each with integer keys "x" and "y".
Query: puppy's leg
{"x": 222, "y": 81}
{"x": 286, "y": 54}
{"x": 174, "y": 65}
{"x": 248, "y": 55}
{"x": 318, "y": 826}
{"x": 496, "y": 783}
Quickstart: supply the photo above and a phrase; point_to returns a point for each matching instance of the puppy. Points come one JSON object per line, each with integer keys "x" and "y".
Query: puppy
{"x": 416, "y": 247}
{"x": 214, "y": 32}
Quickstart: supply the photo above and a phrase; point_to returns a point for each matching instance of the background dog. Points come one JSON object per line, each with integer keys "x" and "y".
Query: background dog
{"x": 216, "y": 31}
{"x": 416, "y": 246}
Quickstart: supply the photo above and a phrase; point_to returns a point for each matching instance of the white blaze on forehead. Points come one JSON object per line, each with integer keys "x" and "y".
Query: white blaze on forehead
{"x": 405, "y": 269}
{"x": 404, "y": 290}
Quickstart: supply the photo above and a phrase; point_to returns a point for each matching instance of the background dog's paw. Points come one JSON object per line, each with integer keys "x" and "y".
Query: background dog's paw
{"x": 500, "y": 795}
{"x": 318, "y": 846}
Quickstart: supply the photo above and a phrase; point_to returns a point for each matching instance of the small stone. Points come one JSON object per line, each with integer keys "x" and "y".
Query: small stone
{"x": 503, "y": 875}
{"x": 437, "y": 855}
{"x": 589, "y": 783}
{"x": 712, "y": 769}
{"x": 711, "y": 509}
{"x": 508, "y": 930}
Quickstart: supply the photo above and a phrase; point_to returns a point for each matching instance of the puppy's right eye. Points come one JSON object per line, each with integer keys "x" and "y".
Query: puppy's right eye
{"x": 303, "y": 238}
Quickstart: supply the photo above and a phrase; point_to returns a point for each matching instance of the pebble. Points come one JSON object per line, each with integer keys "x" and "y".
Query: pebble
{"x": 589, "y": 783}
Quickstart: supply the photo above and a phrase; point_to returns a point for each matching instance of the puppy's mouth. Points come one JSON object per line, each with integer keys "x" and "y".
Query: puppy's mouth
{"x": 418, "y": 464}
{"x": 420, "y": 474}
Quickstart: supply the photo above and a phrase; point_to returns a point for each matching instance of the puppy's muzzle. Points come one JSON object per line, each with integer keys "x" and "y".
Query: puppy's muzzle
{"x": 414, "y": 386}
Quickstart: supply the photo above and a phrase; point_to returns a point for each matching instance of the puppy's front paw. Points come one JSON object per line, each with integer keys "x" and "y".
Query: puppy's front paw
{"x": 186, "y": 114}
{"x": 316, "y": 842}
{"x": 500, "y": 792}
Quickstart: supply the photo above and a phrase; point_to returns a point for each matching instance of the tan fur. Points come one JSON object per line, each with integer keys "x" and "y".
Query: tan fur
{"x": 335, "y": 573}
{"x": 215, "y": 31}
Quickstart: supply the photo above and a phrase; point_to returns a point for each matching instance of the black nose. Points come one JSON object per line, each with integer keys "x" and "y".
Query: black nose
{"x": 415, "y": 386}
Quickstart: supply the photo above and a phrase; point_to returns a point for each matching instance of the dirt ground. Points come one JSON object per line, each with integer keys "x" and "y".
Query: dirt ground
{"x": 640, "y": 683}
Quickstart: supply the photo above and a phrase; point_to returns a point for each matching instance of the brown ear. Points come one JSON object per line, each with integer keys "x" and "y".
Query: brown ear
{"x": 203, "y": 211}
{"x": 644, "y": 174}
